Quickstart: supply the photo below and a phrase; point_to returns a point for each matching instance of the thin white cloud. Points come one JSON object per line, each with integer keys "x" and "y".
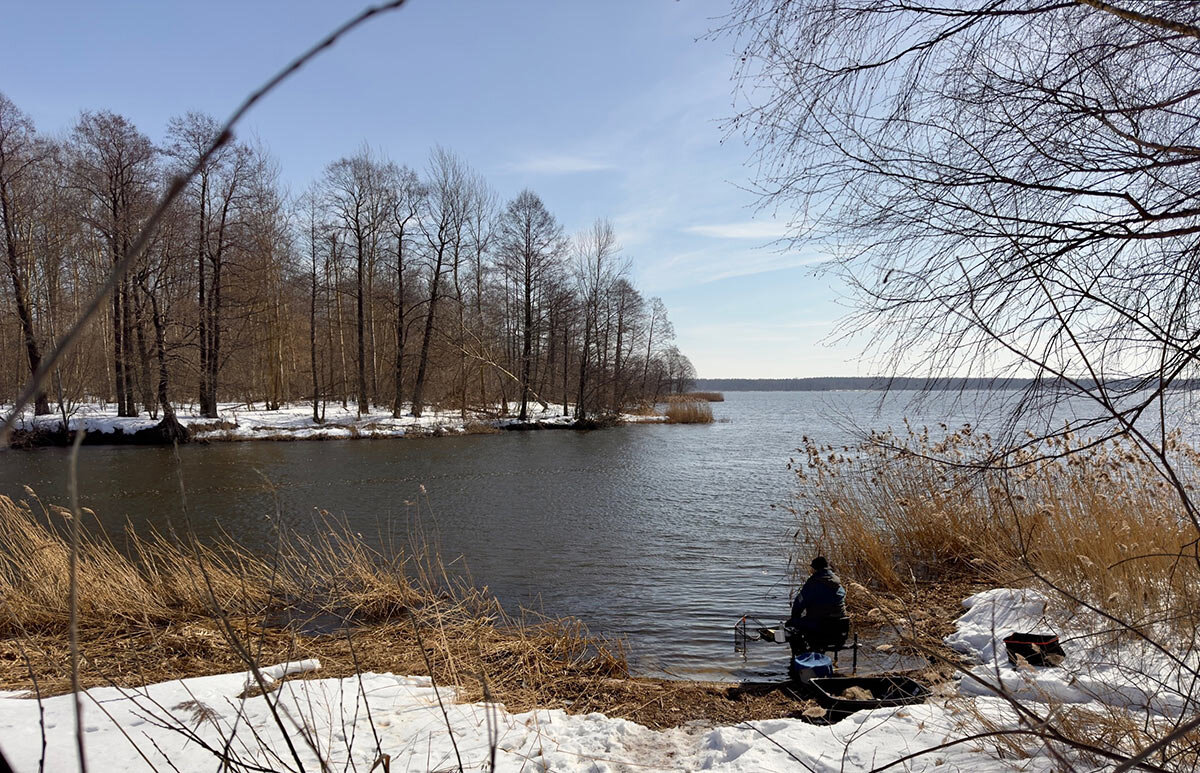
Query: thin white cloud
{"x": 699, "y": 267}
{"x": 559, "y": 164}
{"x": 751, "y": 229}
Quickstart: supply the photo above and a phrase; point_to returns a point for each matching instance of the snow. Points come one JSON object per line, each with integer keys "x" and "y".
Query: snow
{"x": 294, "y": 422}
{"x": 338, "y": 720}
{"x": 346, "y": 723}
{"x": 1123, "y": 672}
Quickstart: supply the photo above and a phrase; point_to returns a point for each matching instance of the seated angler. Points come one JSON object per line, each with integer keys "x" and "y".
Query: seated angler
{"x": 819, "y": 620}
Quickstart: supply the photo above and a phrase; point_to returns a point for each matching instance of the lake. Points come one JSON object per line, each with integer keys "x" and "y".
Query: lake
{"x": 662, "y": 534}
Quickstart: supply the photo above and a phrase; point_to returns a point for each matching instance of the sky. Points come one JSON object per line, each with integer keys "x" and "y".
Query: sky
{"x": 610, "y": 109}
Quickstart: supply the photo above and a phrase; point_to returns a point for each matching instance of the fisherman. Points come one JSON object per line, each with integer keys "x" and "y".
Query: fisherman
{"x": 819, "y": 611}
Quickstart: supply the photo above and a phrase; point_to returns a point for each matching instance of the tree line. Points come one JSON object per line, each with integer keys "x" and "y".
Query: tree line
{"x": 377, "y": 286}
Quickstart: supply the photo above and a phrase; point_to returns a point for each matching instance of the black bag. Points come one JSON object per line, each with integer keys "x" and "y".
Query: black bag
{"x": 1036, "y": 649}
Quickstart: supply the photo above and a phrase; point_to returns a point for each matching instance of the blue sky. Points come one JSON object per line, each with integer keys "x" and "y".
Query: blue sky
{"x": 605, "y": 109}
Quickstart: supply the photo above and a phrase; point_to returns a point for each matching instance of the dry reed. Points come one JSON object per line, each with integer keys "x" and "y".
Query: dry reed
{"x": 689, "y": 413}
{"x": 147, "y": 615}
{"x": 1098, "y": 522}
{"x": 161, "y": 605}
{"x": 692, "y": 397}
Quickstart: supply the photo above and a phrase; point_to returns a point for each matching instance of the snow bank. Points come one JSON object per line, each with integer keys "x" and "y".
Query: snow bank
{"x": 348, "y": 723}
{"x": 1100, "y": 667}
{"x": 294, "y": 422}
{"x": 339, "y": 720}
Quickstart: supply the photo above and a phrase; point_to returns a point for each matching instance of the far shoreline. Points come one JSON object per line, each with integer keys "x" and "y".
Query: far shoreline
{"x": 293, "y": 423}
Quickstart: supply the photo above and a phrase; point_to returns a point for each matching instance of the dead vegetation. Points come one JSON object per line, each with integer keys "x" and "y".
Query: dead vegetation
{"x": 1098, "y": 522}
{"x": 692, "y": 397}
{"x": 689, "y": 413}
{"x": 161, "y": 608}
{"x": 914, "y": 526}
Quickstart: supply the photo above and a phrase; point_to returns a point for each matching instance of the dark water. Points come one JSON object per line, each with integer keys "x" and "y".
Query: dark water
{"x": 665, "y": 535}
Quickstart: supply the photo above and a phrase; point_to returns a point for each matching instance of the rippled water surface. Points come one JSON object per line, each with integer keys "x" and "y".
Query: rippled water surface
{"x": 662, "y": 534}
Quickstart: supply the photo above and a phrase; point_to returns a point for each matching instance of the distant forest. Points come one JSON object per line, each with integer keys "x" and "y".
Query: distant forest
{"x": 876, "y": 383}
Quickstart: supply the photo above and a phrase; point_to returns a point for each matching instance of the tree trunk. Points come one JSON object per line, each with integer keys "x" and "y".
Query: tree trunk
{"x": 312, "y": 337}
{"x": 363, "y": 406}
{"x": 206, "y": 409}
{"x": 418, "y": 403}
{"x": 526, "y": 343}
{"x": 148, "y": 399}
{"x": 130, "y": 407}
{"x": 169, "y": 428}
{"x": 566, "y": 346}
{"x": 580, "y": 401}
{"x": 41, "y": 406}
{"x": 398, "y": 400}
{"x": 118, "y": 369}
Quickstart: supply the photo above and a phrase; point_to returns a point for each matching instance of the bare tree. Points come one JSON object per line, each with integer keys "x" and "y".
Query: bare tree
{"x": 217, "y": 299}
{"x": 596, "y": 267}
{"x": 531, "y": 246}
{"x": 215, "y": 197}
{"x": 315, "y": 235}
{"x": 113, "y": 163}
{"x": 442, "y": 224}
{"x": 156, "y": 279}
{"x": 481, "y": 233}
{"x": 408, "y": 201}
{"x": 1008, "y": 187}
{"x": 659, "y": 329}
{"x": 357, "y": 192}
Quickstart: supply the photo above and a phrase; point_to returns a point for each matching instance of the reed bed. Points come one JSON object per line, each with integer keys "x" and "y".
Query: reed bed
{"x": 692, "y": 397}
{"x": 689, "y": 413}
{"x": 1098, "y": 523}
{"x": 163, "y": 607}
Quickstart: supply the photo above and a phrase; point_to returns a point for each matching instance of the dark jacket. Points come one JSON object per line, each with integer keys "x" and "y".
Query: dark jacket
{"x": 821, "y": 596}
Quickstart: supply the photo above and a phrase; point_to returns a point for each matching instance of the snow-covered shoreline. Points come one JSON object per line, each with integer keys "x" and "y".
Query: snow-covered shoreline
{"x": 349, "y": 723}
{"x": 294, "y": 422}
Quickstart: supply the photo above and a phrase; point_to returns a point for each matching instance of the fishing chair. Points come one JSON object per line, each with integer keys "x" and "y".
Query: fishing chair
{"x": 832, "y": 637}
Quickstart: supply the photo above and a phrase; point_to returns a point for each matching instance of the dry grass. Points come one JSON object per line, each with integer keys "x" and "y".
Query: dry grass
{"x": 162, "y": 597}
{"x": 1098, "y": 523}
{"x": 689, "y": 413}
{"x": 1095, "y": 525}
{"x": 1094, "y": 725}
{"x": 161, "y": 609}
